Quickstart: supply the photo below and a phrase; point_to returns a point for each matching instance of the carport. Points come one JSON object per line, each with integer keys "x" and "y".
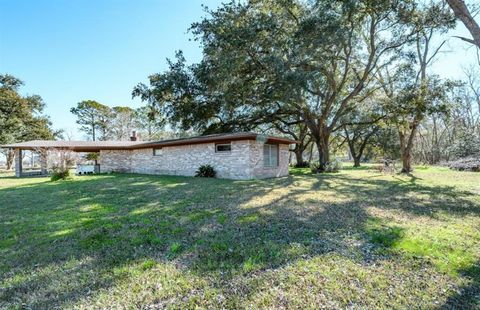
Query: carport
{"x": 41, "y": 147}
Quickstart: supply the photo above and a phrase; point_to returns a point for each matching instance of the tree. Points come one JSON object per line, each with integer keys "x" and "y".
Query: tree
{"x": 467, "y": 144}
{"x": 122, "y": 122}
{"x": 385, "y": 142}
{"x": 328, "y": 74}
{"x": 93, "y": 156}
{"x": 21, "y": 117}
{"x": 412, "y": 94}
{"x": 266, "y": 58}
{"x": 360, "y": 127}
{"x": 413, "y": 104}
{"x": 298, "y": 131}
{"x": 462, "y": 12}
{"x": 149, "y": 121}
{"x": 94, "y": 118}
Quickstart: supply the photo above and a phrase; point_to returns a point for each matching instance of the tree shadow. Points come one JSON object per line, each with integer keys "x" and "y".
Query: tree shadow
{"x": 409, "y": 196}
{"x": 66, "y": 232}
{"x": 467, "y": 296}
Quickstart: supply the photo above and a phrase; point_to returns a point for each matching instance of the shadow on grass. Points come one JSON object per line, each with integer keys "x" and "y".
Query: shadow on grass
{"x": 64, "y": 240}
{"x": 468, "y": 296}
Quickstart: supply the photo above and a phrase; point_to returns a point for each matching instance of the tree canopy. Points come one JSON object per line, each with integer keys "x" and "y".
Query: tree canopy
{"x": 93, "y": 118}
{"x": 21, "y": 117}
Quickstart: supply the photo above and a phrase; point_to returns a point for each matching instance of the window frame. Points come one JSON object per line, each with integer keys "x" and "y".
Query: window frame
{"x": 223, "y": 144}
{"x": 277, "y": 154}
{"x": 158, "y": 149}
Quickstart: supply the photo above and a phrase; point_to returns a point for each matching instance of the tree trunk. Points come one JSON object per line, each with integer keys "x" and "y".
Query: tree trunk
{"x": 320, "y": 134}
{"x": 406, "y": 161}
{"x": 356, "y": 161}
{"x": 406, "y": 148}
{"x": 461, "y": 12}
{"x": 10, "y": 159}
{"x": 323, "y": 151}
{"x": 311, "y": 153}
{"x": 299, "y": 157}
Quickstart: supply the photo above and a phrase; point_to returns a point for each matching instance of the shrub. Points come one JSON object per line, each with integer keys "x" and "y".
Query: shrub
{"x": 467, "y": 145}
{"x": 60, "y": 174}
{"x": 314, "y": 167}
{"x": 303, "y": 164}
{"x": 59, "y": 162}
{"x": 205, "y": 171}
{"x": 466, "y": 164}
{"x": 332, "y": 166}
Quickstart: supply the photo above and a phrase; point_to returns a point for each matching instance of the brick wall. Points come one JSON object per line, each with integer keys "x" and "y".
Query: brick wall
{"x": 258, "y": 169}
{"x": 245, "y": 161}
{"x": 115, "y": 161}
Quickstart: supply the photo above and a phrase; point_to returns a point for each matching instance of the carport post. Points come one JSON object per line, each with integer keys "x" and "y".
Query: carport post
{"x": 43, "y": 161}
{"x": 18, "y": 162}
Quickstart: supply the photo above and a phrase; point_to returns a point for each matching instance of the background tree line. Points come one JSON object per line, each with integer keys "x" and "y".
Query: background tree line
{"x": 101, "y": 122}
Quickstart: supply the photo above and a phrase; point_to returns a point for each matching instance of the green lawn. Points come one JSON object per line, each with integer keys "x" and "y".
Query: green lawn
{"x": 356, "y": 239}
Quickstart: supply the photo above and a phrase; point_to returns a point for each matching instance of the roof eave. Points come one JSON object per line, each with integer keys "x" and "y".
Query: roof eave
{"x": 177, "y": 142}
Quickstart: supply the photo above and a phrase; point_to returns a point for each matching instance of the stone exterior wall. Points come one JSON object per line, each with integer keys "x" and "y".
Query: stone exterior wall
{"x": 245, "y": 161}
{"x": 115, "y": 161}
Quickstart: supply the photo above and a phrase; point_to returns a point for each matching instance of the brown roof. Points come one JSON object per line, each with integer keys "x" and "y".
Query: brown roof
{"x": 93, "y": 146}
{"x": 79, "y": 146}
{"x": 221, "y": 137}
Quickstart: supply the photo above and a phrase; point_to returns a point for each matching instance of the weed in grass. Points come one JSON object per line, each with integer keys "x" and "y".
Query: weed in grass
{"x": 174, "y": 249}
{"x": 248, "y": 219}
{"x": 148, "y": 264}
{"x": 387, "y": 236}
{"x": 221, "y": 219}
{"x": 96, "y": 239}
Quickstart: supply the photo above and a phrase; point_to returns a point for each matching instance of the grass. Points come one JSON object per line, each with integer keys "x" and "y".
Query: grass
{"x": 355, "y": 239}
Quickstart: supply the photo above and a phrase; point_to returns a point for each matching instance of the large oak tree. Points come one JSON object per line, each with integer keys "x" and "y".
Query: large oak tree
{"x": 311, "y": 62}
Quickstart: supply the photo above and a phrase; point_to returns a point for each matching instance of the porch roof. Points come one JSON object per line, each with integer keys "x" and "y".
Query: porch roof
{"x": 78, "y": 146}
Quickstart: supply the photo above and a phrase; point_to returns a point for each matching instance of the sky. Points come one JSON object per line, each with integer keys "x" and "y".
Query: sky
{"x": 67, "y": 51}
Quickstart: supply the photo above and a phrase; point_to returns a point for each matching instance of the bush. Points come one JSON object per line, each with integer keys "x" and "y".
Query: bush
{"x": 466, "y": 164}
{"x": 205, "y": 171}
{"x": 466, "y": 146}
{"x": 60, "y": 174}
{"x": 332, "y": 166}
{"x": 304, "y": 164}
{"x": 314, "y": 167}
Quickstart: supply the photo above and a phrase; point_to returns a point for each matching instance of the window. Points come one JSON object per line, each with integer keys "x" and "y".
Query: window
{"x": 270, "y": 155}
{"x": 220, "y": 148}
{"x": 157, "y": 152}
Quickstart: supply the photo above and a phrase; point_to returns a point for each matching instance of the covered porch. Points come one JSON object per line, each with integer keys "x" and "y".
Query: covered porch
{"x": 19, "y": 168}
{"x": 44, "y": 148}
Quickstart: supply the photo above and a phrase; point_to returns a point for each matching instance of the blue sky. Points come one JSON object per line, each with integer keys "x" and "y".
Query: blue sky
{"x": 71, "y": 50}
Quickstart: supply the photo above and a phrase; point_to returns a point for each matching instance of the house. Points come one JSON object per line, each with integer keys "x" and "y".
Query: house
{"x": 242, "y": 155}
